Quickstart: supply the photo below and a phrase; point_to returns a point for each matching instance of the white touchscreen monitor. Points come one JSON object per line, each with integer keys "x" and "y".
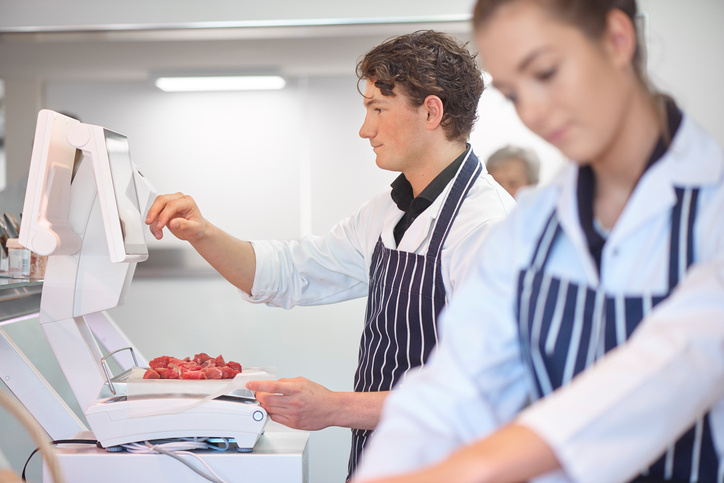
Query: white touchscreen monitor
{"x": 60, "y": 144}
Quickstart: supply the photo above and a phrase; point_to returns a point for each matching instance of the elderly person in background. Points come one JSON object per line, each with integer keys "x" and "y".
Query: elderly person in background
{"x": 514, "y": 167}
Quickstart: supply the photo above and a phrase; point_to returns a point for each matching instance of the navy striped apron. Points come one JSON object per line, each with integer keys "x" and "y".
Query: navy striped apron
{"x": 565, "y": 327}
{"x": 406, "y": 295}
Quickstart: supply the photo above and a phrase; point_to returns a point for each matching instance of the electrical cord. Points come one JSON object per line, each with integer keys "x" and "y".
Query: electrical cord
{"x": 56, "y": 442}
{"x": 36, "y": 432}
{"x": 177, "y": 449}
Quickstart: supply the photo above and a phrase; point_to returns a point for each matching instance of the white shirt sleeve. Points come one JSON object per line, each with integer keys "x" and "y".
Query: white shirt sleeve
{"x": 314, "y": 270}
{"x": 335, "y": 267}
{"x": 486, "y": 205}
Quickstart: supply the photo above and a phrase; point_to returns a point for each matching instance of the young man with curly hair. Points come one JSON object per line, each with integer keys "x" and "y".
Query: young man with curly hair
{"x": 406, "y": 249}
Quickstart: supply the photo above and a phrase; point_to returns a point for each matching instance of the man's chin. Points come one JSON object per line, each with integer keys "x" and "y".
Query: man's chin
{"x": 385, "y": 165}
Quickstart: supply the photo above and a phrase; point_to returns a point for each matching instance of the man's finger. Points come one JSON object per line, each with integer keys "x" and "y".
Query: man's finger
{"x": 271, "y": 402}
{"x": 274, "y": 387}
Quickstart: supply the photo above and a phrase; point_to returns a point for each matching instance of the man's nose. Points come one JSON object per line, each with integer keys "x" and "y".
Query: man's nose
{"x": 366, "y": 131}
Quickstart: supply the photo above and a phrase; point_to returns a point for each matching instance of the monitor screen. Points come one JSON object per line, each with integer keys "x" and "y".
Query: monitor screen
{"x": 129, "y": 213}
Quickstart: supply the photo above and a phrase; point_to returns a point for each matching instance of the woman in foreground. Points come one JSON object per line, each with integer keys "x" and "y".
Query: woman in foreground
{"x": 600, "y": 299}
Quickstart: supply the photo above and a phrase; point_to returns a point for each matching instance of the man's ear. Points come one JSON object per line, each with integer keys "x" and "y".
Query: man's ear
{"x": 434, "y": 110}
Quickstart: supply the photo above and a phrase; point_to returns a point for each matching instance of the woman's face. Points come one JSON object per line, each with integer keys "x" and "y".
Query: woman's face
{"x": 567, "y": 88}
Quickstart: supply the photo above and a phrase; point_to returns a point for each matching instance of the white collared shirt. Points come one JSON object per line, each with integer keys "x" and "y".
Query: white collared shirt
{"x": 335, "y": 267}
{"x": 600, "y": 429}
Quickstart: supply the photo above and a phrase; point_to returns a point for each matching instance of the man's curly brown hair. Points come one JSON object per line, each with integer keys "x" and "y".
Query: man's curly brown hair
{"x": 426, "y": 63}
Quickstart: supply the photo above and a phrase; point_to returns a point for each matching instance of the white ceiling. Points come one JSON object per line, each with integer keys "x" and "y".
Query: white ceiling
{"x": 132, "y": 40}
{"x": 53, "y": 15}
{"x": 134, "y": 55}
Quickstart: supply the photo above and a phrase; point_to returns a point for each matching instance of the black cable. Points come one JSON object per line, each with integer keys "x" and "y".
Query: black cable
{"x": 156, "y": 448}
{"x": 57, "y": 441}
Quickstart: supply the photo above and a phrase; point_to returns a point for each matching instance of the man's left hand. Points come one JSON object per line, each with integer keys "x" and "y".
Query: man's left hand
{"x": 297, "y": 403}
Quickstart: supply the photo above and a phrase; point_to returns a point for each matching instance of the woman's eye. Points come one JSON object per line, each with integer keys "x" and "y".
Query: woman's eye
{"x": 546, "y": 74}
{"x": 511, "y": 96}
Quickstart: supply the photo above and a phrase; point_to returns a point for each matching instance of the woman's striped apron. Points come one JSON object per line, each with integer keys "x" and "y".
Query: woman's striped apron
{"x": 406, "y": 295}
{"x": 565, "y": 327}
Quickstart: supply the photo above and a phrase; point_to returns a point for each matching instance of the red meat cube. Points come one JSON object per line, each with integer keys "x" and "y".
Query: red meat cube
{"x": 234, "y": 365}
{"x": 227, "y": 372}
{"x": 159, "y": 362}
{"x": 162, "y": 372}
{"x": 193, "y": 375}
{"x": 177, "y": 371}
{"x": 168, "y": 372}
{"x": 201, "y": 358}
{"x": 151, "y": 374}
{"x": 212, "y": 372}
{"x": 174, "y": 360}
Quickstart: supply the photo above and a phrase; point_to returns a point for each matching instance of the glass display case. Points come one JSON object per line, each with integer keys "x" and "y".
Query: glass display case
{"x": 20, "y": 301}
{"x": 19, "y": 298}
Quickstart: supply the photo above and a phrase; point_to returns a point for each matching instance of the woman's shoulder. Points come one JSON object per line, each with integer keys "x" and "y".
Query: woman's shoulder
{"x": 694, "y": 146}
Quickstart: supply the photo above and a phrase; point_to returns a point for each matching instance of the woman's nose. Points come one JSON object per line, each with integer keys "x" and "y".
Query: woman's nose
{"x": 532, "y": 109}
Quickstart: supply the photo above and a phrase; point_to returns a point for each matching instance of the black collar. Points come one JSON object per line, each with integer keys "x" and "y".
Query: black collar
{"x": 413, "y": 206}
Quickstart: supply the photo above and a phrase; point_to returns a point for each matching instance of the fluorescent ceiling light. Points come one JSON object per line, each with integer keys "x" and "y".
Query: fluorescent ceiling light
{"x": 220, "y": 83}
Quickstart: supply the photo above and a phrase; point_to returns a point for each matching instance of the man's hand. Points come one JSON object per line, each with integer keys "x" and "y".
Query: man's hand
{"x": 180, "y": 214}
{"x": 302, "y": 404}
{"x": 234, "y": 259}
{"x": 298, "y": 403}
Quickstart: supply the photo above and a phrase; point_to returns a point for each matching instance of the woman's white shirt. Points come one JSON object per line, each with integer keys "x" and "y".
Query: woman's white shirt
{"x": 615, "y": 419}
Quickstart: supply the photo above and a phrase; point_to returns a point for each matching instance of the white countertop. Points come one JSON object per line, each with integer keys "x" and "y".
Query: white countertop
{"x": 280, "y": 456}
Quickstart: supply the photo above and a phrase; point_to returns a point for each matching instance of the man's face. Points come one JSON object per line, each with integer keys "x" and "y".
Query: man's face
{"x": 394, "y": 128}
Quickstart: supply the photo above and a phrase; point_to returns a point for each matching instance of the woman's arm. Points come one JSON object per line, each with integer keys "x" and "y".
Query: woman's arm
{"x": 512, "y": 454}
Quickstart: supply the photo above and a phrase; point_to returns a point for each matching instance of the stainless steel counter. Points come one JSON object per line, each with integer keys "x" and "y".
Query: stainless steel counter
{"x": 19, "y": 298}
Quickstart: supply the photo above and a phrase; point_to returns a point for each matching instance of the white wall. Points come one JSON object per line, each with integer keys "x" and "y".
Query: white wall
{"x": 293, "y": 154}
{"x": 685, "y": 58}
